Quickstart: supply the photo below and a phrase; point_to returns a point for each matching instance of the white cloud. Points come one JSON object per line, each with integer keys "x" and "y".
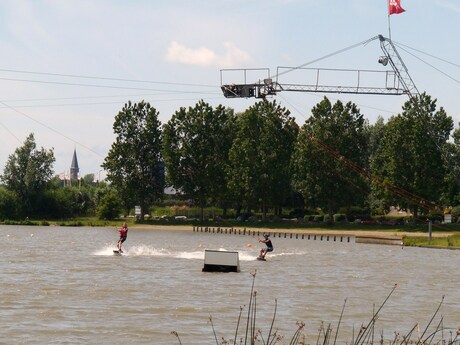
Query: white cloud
{"x": 233, "y": 56}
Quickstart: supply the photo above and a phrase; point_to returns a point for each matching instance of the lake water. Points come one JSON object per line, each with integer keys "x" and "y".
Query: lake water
{"x": 63, "y": 285}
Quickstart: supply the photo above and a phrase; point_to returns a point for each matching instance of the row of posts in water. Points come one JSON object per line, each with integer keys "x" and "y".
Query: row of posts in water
{"x": 314, "y": 237}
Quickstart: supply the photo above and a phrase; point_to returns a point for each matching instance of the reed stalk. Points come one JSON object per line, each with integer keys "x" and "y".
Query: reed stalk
{"x": 365, "y": 336}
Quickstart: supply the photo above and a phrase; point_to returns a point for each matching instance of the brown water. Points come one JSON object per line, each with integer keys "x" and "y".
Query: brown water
{"x": 63, "y": 286}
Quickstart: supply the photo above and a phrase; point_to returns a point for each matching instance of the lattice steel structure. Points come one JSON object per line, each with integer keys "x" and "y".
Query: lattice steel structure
{"x": 396, "y": 81}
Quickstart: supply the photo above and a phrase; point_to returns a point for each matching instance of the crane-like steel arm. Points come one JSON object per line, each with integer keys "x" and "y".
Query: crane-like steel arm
{"x": 398, "y": 66}
{"x": 395, "y": 82}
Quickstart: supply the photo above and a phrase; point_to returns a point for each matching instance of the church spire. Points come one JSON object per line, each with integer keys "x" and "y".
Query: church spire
{"x": 74, "y": 169}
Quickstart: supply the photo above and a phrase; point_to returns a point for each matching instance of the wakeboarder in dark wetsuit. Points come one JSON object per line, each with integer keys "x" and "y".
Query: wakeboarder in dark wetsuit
{"x": 267, "y": 249}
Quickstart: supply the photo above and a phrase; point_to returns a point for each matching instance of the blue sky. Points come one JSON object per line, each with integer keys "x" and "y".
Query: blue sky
{"x": 68, "y": 67}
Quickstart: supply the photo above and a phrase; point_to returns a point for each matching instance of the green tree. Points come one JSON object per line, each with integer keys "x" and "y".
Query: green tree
{"x": 134, "y": 163}
{"x": 331, "y": 156}
{"x": 69, "y": 201}
{"x": 451, "y": 194}
{"x": 409, "y": 167}
{"x": 27, "y": 173}
{"x": 260, "y": 157}
{"x": 374, "y": 136}
{"x": 196, "y": 145}
{"x": 88, "y": 179}
{"x": 8, "y": 204}
{"x": 109, "y": 206}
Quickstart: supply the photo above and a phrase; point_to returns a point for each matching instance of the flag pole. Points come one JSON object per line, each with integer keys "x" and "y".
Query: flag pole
{"x": 394, "y": 7}
{"x": 389, "y": 27}
{"x": 389, "y": 23}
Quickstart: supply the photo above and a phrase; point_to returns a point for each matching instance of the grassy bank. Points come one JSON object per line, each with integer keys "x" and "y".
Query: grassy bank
{"x": 452, "y": 241}
{"x": 445, "y": 236}
{"x": 76, "y": 222}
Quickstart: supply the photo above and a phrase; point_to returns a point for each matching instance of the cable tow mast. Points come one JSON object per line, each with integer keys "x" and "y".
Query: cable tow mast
{"x": 396, "y": 81}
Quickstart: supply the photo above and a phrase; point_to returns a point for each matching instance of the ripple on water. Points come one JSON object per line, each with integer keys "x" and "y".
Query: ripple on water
{"x": 63, "y": 285}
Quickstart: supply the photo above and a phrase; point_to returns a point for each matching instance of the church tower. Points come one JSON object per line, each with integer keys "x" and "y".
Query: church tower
{"x": 74, "y": 169}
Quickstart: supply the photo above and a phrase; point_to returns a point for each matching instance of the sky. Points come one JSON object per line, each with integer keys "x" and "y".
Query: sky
{"x": 67, "y": 67}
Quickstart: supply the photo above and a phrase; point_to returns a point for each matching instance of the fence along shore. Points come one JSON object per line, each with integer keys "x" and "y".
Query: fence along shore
{"x": 345, "y": 238}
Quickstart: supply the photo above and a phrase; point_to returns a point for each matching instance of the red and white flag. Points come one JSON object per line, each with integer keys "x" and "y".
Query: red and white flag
{"x": 394, "y": 7}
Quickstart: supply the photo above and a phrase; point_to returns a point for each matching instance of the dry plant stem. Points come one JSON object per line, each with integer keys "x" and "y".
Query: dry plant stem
{"x": 396, "y": 338}
{"x": 273, "y": 321}
{"x": 261, "y": 336}
{"x": 340, "y": 320}
{"x": 455, "y": 339}
{"x": 213, "y": 330}
{"x": 381, "y": 338}
{"x": 321, "y": 329}
{"x": 438, "y": 329}
{"x": 298, "y": 332}
{"x": 177, "y": 336}
{"x": 253, "y": 318}
{"x": 249, "y": 309}
{"x": 327, "y": 335}
{"x": 365, "y": 332}
{"x": 373, "y": 327}
{"x": 407, "y": 337}
{"x": 365, "y": 335}
{"x": 369, "y": 332}
{"x": 429, "y": 323}
{"x": 238, "y": 325}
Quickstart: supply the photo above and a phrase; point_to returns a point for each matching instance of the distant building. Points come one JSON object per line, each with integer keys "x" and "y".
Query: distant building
{"x": 74, "y": 169}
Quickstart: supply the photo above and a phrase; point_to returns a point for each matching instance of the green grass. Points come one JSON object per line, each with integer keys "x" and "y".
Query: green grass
{"x": 76, "y": 222}
{"x": 21, "y": 222}
{"x": 94, "y": 221}
{"x": 452, "y": 241}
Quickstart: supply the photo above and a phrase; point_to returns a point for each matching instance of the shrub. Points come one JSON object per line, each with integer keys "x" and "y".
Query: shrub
{"x": 455, "y": 212}
{"x": 340, "y": 217}
{"x": 297, "y": 213}
{"x": 309, "y": 217}
{"x": 435, "y": 216}
{"x": 378, "y": 212}
{"x": 109, "y": 207}
{"x": 355, "y": 212}
{"x": 318, "y": 218}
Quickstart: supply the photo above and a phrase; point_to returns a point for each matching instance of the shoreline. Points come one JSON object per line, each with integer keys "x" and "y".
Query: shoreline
{"x": 379, "y": 237}
{"x": 390, "y": 235}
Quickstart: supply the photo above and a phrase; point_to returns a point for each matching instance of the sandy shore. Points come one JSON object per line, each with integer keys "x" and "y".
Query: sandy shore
{"x": 359, "y": 233}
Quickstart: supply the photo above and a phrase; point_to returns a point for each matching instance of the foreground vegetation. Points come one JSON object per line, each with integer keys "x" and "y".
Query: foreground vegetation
{"x": 248, "y": 332}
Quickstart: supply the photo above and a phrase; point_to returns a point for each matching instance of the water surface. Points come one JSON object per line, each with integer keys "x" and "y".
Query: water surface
{"x": 63, "y": 285}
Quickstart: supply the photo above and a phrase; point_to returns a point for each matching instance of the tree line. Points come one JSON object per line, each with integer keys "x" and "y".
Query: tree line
{"x": 259, "y": 160}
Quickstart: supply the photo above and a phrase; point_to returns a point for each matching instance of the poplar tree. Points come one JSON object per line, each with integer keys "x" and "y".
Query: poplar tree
{"x": 410, "y": 163}
{"x": 260, "y": 157}
{"x": 134, "y": 163}
{"x": 196, "y": 145}
{"x": 331, "y": 156}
